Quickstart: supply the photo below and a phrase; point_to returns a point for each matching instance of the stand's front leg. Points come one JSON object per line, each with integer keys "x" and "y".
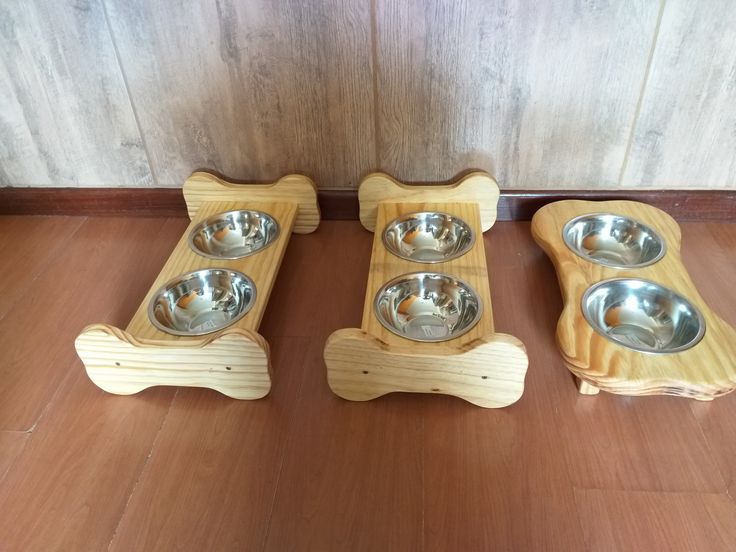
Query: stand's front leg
{"x": 235, "y": 363}
{"x": 489, "y": 373}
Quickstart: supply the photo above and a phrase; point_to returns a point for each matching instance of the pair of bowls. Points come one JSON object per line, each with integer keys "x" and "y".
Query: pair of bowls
{"x": 207, "y": 300}
{"x": 636, "y": 313}
{"x": 428, "y": 306}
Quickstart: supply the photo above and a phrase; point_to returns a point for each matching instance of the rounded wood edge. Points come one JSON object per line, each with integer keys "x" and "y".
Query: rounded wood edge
{"x": 335, "y": 340}
{"x": 368, "y": 217}
{"x": 121, "y": 337}
{"x": 308, "y": 211}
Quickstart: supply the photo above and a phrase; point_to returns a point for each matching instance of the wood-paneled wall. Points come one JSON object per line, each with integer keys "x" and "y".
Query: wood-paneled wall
{"x": 563, "y": 95}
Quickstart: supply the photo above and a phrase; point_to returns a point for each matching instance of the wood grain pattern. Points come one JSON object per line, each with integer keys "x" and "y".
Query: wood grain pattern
{"x": 306, "y": 470}
{"x": 353, "y": 476}
{"x": 704, "y": 371}
{"x": 477, "y": 188}
{"x": 294, "y": 188}
{"x": 250, "y": 87}
{"x": 386, "y": 266}
{"x": 684, "y": 134}
{"x": 234, "y": 362}
{"x": 261, "y": 268}
{"x": 70, "y": 484}
{"x": 36, "y": 370}
{"x": 489, "y": 372}
{"x": 482, "y": 367}
{"x": 540, "y": 95}
{"x": 42, "y": 240}
{"x": 66, "y": 119}
{"x": 616, "y": 520}
{"x": 188, "y": 504}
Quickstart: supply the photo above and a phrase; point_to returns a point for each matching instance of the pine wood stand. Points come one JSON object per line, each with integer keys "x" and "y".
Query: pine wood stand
{"x": 234, "y": 360}
{"x": 702, "y": 372}
{"x": 482, "y": 367}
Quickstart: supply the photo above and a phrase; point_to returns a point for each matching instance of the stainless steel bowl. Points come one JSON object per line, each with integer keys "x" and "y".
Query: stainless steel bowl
{"x": 202, "y": 302}
{"x": 643, "y": 316}
{"x": 428, "y": 237}
{"x": 234, "y": 234}
{"x": 428, "y": 306}
{"x": 613, "y": 240}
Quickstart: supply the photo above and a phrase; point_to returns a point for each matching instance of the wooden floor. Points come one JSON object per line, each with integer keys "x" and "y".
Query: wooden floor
{"x": 304, "y": 470}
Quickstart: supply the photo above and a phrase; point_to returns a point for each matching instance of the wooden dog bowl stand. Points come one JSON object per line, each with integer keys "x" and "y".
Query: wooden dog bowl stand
{"x": 702, "y": 372}
{"x": 234, "y": 360}
{"x": 482, "y": 367}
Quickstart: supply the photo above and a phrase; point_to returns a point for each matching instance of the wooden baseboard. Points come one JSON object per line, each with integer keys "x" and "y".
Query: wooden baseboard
{"x": 714, "y": 205}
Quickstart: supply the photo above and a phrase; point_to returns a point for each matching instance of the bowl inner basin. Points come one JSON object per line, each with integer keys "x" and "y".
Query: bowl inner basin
{"x": 202, "y": 302}
{"x": 613, "y": 240}
{"x": 429, "y": 237}
{"x": 643, "y": 315}
{"x": 234, "y": 234}
{"x": 427, "y": 306}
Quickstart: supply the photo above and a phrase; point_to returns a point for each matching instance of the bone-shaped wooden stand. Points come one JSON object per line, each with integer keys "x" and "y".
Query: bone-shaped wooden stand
{"x": 702, "y": 372}
{"x": 482, "y": 367}
{"x": 234, "y": 360}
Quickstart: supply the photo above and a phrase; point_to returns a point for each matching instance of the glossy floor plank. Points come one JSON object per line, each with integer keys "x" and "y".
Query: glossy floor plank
{"x": 221, "y": 496}
{"x": 622, "y": 520}
{"x": 305, "y": 470}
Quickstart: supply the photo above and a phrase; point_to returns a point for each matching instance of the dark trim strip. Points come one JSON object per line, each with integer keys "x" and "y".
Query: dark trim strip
{"x": 714, "y": 205}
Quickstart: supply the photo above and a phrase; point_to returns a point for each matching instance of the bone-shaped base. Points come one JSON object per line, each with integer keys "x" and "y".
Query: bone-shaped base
{"x": 235, "y": 363}
{"x": 488, "y": 372}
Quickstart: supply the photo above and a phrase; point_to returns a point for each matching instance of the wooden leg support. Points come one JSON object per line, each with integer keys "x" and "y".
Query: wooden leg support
{"x": 586, "y": 388}
{"x": 488, "y": 373}
{"x": 235, "y": 363}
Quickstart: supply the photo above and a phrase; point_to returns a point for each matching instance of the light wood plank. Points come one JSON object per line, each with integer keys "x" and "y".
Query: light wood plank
{"x": 477, "y": 188}
{"x": 470, "y": 267}
{"x": 66, "y": 119}
{"x": 293, "y": 188}
{"x": 684, "y": 134}
{"x": 706, "y": 370}
{"x": 482, "y": 367}
{"x": 262, "y": 267}
{"x": 540, "y": 95}
{"x": 252, "y": 88}
{"x": 235, "y": 362}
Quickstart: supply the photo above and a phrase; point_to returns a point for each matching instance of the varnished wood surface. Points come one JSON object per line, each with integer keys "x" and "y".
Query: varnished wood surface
{"x": 305, "y": 470}
{"x": 704, "y": 371}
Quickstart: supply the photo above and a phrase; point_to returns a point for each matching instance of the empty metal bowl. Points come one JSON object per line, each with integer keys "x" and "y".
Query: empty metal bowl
{"x": 202, "y": 302}
{"x": 428, "y": 306}
{"x": 613, "y": 240}
{"x": 234, "y": 234}
{"x": 428, "y": 237}
{"x": 643, "y": 316}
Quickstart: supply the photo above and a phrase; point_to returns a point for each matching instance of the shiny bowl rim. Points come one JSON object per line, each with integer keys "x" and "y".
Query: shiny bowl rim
{"x": 407, "y": 276}
{"x": 651, "y": 231}
{"x": 407, "y": 216}
{"x": 212, "y": 218}
{"x": 177, "y": 279}
{"x": 698, "y": 315}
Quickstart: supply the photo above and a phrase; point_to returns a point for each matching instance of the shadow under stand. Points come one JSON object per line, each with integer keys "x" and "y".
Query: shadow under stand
{"x": 633, "y": 322}
{"x": 480, "y": 366}
{"x": 233, "y": 360}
